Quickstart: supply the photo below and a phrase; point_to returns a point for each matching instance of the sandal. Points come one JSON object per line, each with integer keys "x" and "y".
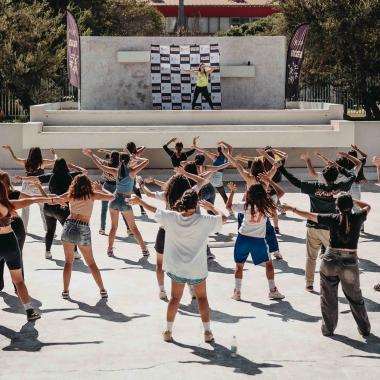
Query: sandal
{"x": 32, "y": 315}
{"x": 145, "y": 253}
{"x": 110, "y": 252}
{"x": 104, "y": 294}
{"x": 65, "y": 295}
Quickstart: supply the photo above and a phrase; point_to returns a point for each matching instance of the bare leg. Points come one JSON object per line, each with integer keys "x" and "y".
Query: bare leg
{"x": 159, "y": 272}
{"x": 18, "y": 281}
{"x": 275, "y": 219}
{"x": 90, "y": 261}
{"x": 176, "y": 295}
{"x": 222, "y": 193}
{"x": 114, "y": 224}
{"x": 67, "y": 270}
{"x": 132, "y": 225}
{"x": 201, "y": 293}
{"x": 239, "y": 271}
{"x": 376, "y": 162}
{"x": 269, "y": 269}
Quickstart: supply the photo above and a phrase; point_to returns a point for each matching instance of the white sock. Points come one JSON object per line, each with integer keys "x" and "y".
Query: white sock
{"x": 238, "y": 284}
{"x": 27, "y": 306}
{"x": 162, "y": 288}
{"x": 169, "y": 326}
{"x": 206, "y": 326}
{"x": 271, "y": 284}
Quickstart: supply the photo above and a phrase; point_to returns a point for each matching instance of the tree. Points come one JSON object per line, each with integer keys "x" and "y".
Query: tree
{"x": 343, "y": 44}
{"x": 31, "y": 49}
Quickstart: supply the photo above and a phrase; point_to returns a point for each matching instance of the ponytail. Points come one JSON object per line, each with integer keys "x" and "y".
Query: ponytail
{"x": 188, "y": 201}
{"x": 344, "y": 204}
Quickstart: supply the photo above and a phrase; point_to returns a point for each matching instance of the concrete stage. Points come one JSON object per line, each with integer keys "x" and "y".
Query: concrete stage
{"x": 87, "y": 339}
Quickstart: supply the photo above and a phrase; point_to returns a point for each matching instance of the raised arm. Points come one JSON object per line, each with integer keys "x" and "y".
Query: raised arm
{"x": 361, "y": 152}
{"x": 213, "y": 169}
{"x": 233, "y": 188}
{"x": 19, "y": 160}
{"x": 358, "y": 164}
{"x": 73, "y": 167}
{"x": 25, "y": 202}
{"x": 101, "y": 194}
{"x": 325, "y": 160}
{"x": 210, "y": 207}
{"x": 200, "y": 181}
{"x": 290, "y": 177}
{"x": 104, "y": 168}
{"x": 212, "y": 156}
{"x": 246, "y": 176}
{"x": 305, "y": 157}
{"x": 303, "y": 214}
{"x": 276, "y": 187}
{"x": 362, "y": 205}
{"x": 140, "y": 166}
{"x": 228, "y": 146}
{"x": 147, "y": 192}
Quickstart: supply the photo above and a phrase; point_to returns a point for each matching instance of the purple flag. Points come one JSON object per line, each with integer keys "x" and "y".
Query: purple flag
{"x": 73, "y": 51}
{"x": 294, "y": 60}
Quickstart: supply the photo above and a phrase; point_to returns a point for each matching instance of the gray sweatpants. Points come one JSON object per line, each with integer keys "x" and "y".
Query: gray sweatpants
{"x": 341, "y": 266}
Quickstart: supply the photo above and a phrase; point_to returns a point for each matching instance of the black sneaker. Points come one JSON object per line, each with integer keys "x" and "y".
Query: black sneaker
{"x": 277, "y": 230}
{"x": 364, "y": 334}
{"x": 32, "y": 315}
{"x": 310, "y": 288}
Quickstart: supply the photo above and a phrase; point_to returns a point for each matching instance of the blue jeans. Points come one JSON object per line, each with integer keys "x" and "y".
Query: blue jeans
{"x": 103, "y": 216}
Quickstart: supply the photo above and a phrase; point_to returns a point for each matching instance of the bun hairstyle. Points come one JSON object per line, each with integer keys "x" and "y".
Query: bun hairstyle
{"x": 259, "y": 200}
{"x": 177, "y": 185}
{"x": 114, "y": 159}
{"x": 131, "y": 147}
{"x": 81, "y": 188}
{"x": 124, "y": 160}
{"x": 257, "y": 167}
{"x": 199, "y": 159}
{"x": 345, "y": 204}
{"x": 188, "y": 201}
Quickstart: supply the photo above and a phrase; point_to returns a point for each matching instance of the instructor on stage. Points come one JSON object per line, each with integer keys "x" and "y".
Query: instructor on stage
{"x": 202, "y": 74}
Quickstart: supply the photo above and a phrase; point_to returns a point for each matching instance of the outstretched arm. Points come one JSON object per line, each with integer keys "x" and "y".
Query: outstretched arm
{"x": 212, "y": 156}
{"x": 233, "y": 188}
{"x": 362, "y": 153}
{"x": 362, "y": 205}
{"x": 25, "y": 202}
{"x": 213, "y": 169}
{"x": 200, "y": 181}
{"x": 19, "y": 160}
{"x": 246, "y": 176}
{"x": 290, "y": 177}
{"x": 210, "y": 207}
{"x": 135, "y": 200}
{"x": 303, "y": 214}
{"x": 137, "y": 169}
{"x": 96, "y": 161}
{"x": 358, "y": 164}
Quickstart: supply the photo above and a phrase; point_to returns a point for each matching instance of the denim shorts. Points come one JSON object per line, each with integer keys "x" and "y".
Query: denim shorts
{"x": 119, "y": 203}
{"x": 181, "y": 280}
{"x": 76, "y": 232}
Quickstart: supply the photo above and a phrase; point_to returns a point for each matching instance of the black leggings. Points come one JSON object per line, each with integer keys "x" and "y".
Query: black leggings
{"x": 138, "y": 193}
{"x": 19, "y": 230}
{"x": 53, "y": 213}
{"x": 205, "y": 94}
{"x": 222, "y": 193}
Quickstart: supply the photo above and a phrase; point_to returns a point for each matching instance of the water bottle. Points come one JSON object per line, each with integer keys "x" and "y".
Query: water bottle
{"x": 234, "y": 347}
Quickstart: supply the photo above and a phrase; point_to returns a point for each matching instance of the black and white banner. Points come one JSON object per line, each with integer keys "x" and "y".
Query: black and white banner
{"x": 173, "y": 89}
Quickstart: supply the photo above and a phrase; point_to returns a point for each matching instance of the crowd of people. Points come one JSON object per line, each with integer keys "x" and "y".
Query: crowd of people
{"x": 66, "y": 194}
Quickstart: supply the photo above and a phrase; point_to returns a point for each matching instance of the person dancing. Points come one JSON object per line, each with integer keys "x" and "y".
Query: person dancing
{"x": 257, "y": 208}
{"x": 76, "y": 229}
{"x": 178, "y": 155}
{"x": 186, "y": 233}
{"x": 9, "y": 247}
{"x": 174, "y": 189}
{"x": 202, "y": 75}
{"x": 340, "y": 263}
{"x": 125, "y": 176}
{"x": 34, "y": 165}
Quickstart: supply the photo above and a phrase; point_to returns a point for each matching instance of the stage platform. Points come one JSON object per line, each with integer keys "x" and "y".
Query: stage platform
{"x": 315, "y": 125}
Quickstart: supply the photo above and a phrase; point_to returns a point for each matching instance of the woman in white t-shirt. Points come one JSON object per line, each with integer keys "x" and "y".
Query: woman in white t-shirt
{"x": 185, "y": 259}
{"x": 174, "y": 189}
{"x": 257, "y": 208}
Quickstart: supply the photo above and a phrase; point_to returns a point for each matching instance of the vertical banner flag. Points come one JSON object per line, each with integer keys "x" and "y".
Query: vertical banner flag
{"x": 73, "y": 51}
{"x": 172, "y": 88}
{"x": 294, "y": 60}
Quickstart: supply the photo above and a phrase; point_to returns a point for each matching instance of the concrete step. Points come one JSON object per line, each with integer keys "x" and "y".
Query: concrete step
{"x": 182, "y": 128}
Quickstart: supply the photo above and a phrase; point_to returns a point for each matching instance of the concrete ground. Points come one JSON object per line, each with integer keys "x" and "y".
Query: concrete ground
{"x": 85, "y": 338}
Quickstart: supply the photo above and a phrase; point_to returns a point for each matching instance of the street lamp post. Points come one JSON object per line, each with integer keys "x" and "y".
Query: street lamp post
{"x": 181, "y": 15}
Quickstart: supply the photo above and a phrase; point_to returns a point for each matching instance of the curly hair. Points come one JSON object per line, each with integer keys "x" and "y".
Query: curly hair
{"x": 258, "y": 199}
{"x": 81, "y": 188}
{"x": 188, "y": 201}
{"x": 176, "y": 187}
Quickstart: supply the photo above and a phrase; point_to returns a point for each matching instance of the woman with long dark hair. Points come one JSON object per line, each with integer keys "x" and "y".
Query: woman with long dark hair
{"x": 340, "y": 262}
{"x": 257, "y": 208}
{"x": 9, "y": 247}
{"x": 34, "y": 165}
{"x": 185, "y": 252}
{"x": 58, "y": 182}
{"x": 76, "y": 231}
{"x": 125, "y": 175}
{"x": 178, "y": 155}
{"x": 202, "y": 76}
{"x": 174, "y": 190}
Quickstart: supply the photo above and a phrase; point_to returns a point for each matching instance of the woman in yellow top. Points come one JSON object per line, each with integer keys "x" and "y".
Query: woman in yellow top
{"x": 202, "y": 74}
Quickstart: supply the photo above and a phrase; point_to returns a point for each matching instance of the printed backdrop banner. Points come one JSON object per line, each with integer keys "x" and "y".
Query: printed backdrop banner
{"x": 73, "y": 51}
{"x": 294, "y": 60}
{"x": 172, "y": 88}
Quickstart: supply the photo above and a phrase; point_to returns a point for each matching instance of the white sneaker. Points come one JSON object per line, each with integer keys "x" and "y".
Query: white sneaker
{"x": 48, "y": 255}
{"x": 277, "y": 255}
{"x": 237, "y": 295}
{"x": 275, "y": 295}
{"x": 77, "y": 255}
{"x": 163, "y": 295}
{"x": 102, "y": 232}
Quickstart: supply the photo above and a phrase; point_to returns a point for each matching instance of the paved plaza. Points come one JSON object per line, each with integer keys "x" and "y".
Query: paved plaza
{"x": 85, "y": 338}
